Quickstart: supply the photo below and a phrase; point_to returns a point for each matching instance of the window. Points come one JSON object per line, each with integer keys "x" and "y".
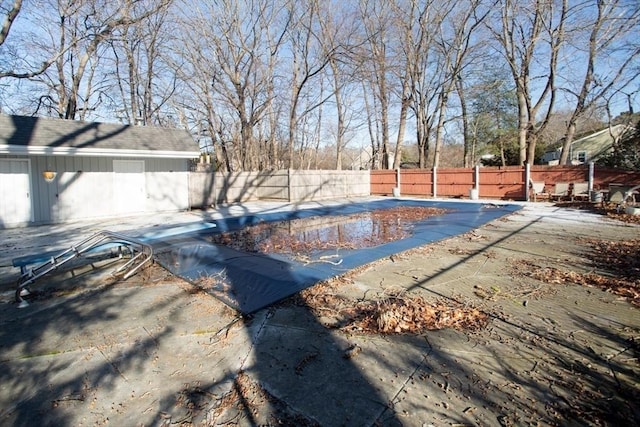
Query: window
{"x": 582, "y": 156}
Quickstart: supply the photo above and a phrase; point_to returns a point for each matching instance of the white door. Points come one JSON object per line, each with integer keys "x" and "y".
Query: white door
{"x": 15, "y": 191}
{"x": 129, "y": 191}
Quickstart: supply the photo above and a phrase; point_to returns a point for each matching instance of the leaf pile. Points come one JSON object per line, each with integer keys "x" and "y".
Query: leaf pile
{"x": 620, "y": 287}
{"x": 624, "y": 217}
{"x": 618, "y": 261}
{"x": 412, "y": 315}
{"x": 398, "y": 314}
{"x": 212, "y": 283}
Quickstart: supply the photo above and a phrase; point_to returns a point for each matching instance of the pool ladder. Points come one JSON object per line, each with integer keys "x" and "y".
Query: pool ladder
{"x": 140, "y": 252}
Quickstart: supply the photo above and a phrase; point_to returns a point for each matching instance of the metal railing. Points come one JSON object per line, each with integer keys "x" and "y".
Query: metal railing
{"x": 140, "y": 252}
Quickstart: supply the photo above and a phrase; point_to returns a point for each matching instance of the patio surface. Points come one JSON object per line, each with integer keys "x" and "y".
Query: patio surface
{"x": 154, "y": 350}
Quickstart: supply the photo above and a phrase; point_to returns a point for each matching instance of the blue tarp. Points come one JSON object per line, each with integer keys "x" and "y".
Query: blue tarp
{"x": 251, "y": 281}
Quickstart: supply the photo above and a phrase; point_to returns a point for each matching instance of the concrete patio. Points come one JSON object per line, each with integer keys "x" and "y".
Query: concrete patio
{"x": 154, "y": 350}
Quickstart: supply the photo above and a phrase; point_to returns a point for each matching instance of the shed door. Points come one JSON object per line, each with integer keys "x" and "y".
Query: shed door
{"x": 129, "y": 190}
{"x": 15, "y": 191}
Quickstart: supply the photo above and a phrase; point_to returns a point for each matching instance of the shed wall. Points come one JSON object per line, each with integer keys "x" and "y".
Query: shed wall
{"x": 84, "y": 187}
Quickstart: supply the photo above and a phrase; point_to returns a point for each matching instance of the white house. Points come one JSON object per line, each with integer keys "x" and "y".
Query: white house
{"x": 54, "y": 170}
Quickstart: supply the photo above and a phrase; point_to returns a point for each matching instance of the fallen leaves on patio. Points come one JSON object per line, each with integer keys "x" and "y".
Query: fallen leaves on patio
{"x": 412, "y": 315}
{"x": 610, "y": 210}
{"x": 624, "y": 217}
{"x": 394, "y": 314}
{"x": 618, "y": 265}
{"x": 248, "y": 399}
{"x": 622, "y": 258}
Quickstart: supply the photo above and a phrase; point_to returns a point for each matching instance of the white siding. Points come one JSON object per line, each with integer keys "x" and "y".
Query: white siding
{"x": 83, "y": 195}
{"x": 129, "y": 188}
{"x": 84, "y": 188}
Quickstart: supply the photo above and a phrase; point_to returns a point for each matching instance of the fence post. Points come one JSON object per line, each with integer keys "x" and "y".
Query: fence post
{"x": 476, "y": 179}
{"x": 397, "y": 191}
{"x": 591, "y": 177}
{"x": 289, "y": 185}
{"x": 435, "y": 181}
{"x": 527, "y": 180}
{"x": 214, "y": 188}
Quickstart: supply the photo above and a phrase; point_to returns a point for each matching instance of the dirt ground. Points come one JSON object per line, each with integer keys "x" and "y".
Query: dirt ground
{"x": 531, "y": 319}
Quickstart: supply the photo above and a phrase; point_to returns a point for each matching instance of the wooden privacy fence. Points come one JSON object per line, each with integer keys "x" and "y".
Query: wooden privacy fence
{"x": 511, "y": 182}
{"x": 211, "y": 188}
{"x": 208, "y": 188}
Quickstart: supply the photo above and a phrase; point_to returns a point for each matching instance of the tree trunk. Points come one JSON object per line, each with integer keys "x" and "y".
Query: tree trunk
{"x": 340, "y": 112}
{"x": 523, "y": 127}
{"x": 442, "y": 110}
{"x": 565, "y": 155}
{"x": 404, "y": 108}
{"x": 468, "y": 143}
{"x": 422, "y": 135}
{"x": 384, "y": 122}
{"x": 8, "y": 20}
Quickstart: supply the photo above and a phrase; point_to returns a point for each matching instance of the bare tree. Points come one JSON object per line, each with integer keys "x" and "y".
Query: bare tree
{"x": 18, "y": 65}
{"x": 459, "y": 22}
{"x": 530, "y": 33}
{"x": 434, "y": 39}
{"x": 405, "y": 18}
{"x": 371, "y": 113}
{"x": 77, "y": 42}
{"x": 375, "y": 15}
{"x": 469, "y": 148}
{"x": 424, "y": 73}
{"x": 309, "y": 59}
{"x": 144, "y": 77}
{"x": 238, "y": 89}
{"x": 610, "y": 24}
{"x": 275, "y": 83}
{"x": 338, "y": 30}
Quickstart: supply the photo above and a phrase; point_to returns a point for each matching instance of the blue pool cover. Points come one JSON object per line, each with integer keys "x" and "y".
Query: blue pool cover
{"x": 251, "y": 281}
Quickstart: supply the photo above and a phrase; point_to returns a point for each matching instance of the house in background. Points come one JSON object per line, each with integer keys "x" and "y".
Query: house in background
{"x": 586, "y": 149}
{"x": 54, "y": 170}
{"x": 364, "y": 158}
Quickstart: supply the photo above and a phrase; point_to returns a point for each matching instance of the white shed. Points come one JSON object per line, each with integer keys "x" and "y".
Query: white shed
{"x": 54, "y": 170}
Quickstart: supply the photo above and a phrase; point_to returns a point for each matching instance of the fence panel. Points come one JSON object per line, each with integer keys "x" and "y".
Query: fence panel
{"x": 274, "y": 185}
{"x": 551, "y": 175}
{"x": 383, "y": 182}
{"x": 454, "y": 182}
{"x": 604, "y": 177}
{"x": 503, "y": 183}
{"x": 416, "y": 182}
{"x": 202, "y": 193}
{"x": 327, "y": 184}
{"x": 494, "y": 182}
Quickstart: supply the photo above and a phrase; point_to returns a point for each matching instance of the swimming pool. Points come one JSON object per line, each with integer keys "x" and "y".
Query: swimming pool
{"x": 252, "y": 261}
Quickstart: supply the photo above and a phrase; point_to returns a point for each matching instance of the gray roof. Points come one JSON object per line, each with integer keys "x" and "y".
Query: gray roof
{"x": 37, "y": 135}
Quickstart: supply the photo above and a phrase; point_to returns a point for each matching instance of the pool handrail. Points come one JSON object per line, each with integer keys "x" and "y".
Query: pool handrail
{"x": 141, "y": 253}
